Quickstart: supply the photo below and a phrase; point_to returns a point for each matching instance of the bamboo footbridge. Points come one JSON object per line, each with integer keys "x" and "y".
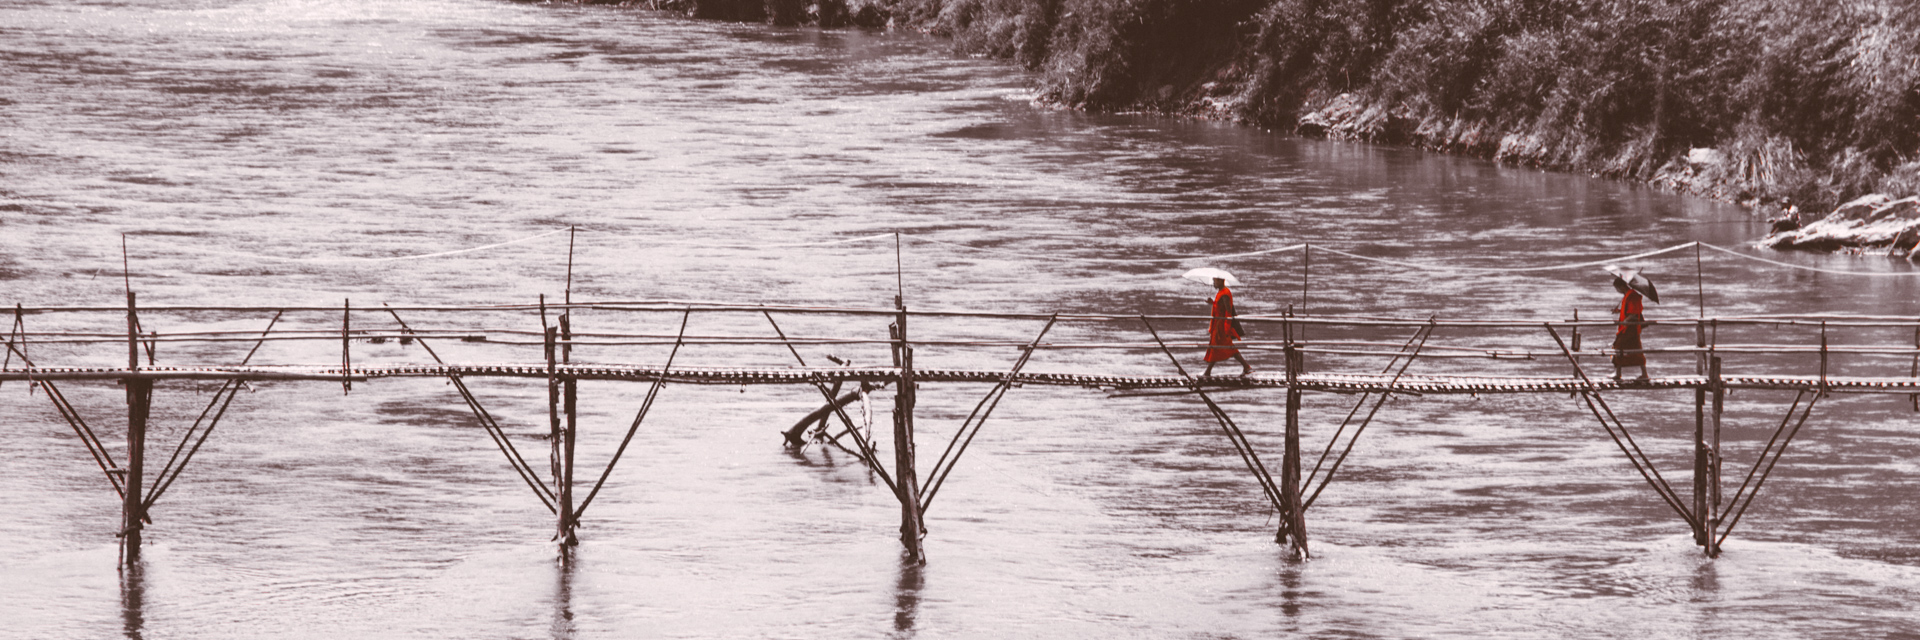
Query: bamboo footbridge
{"x": 1369, "y": 359}
{"x": 1332, "y": 382}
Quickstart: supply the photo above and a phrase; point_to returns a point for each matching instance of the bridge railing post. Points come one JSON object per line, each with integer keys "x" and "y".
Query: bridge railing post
{"x": 1823, "y": 355}
{"x": 346, "y": 345}
{"x": 1914, "y": 371}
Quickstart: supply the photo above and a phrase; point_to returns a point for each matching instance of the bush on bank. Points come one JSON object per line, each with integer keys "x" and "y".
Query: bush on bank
{"x": 1806, "y": 102}
{"x": 1784, "y": 103}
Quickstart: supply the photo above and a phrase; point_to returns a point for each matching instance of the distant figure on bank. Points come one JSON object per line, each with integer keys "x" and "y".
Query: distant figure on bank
{"x": 1223, "y": 330}
{"x": 1632, "y": 318}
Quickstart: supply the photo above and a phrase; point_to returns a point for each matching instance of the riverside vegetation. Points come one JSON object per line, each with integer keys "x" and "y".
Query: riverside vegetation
{"x": 1784, "y": 105}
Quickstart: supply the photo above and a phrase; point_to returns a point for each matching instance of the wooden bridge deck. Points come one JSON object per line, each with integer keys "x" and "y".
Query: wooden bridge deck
{"x": 1332, "y": 382}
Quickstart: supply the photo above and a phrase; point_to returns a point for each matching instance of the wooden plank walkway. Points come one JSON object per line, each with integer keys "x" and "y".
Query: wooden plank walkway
{"x": 1330, "y": 382}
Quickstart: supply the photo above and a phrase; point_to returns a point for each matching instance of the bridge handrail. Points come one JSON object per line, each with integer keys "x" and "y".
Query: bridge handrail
{"x": 680, "y": 306}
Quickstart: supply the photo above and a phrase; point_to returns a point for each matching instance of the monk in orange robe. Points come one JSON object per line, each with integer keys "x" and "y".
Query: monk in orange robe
{"x": 1626, "y": 337}
{"x": 1223, "y": 330}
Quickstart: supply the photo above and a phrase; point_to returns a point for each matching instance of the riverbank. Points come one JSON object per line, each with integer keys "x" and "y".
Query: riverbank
{"x": 1785, "y": 106}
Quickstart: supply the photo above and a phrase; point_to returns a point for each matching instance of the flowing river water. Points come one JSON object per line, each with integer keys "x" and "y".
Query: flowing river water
{"x": 260, "y": 152}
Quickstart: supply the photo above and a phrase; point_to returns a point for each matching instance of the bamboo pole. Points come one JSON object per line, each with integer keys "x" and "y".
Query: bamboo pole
{"x": 1756, "y": 477}
{"x": 1622, "y": 438}
{"x": 487, "y": 423}
{"x": 132, "y": 507}
{"x": 95, "y": 448}
{"x": 1717, "y": 385}
{"x": 556, "y": 437}
{"x": 222, "y": 398}
{"x": 1702, "y": 526}
{"x": 346, "y": 349}
{"x": 1295, "y": 527}
{"x": 571, "y": 399}
{"x": 1234, "y": 435}
{"x": 970, "y": 427}
{"x": 1711, "y": 512}
{"x": 646, "y": 405}
{"x": 906, "y": 479}
{"x": 139, "y": 403}
{"x": 1823, "y": 356}
{"x": 1419, "y": 340}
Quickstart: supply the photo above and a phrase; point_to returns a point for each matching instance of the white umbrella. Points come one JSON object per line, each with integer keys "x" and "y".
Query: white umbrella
{"x": 1206, "y": 275}
{"x": 1634, "y": 280}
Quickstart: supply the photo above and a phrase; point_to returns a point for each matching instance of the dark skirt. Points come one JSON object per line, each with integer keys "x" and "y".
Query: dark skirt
{"x": 1628, "y": 339}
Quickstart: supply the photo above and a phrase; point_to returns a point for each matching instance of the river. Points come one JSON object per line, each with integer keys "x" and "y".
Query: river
{"x": 267, "y": 151}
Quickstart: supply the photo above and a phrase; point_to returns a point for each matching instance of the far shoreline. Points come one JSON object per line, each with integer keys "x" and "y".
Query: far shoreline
{"x": 1757, "y": 104}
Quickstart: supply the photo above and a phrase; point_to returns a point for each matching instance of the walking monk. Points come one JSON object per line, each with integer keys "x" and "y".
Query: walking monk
{"x": 1223, "y": 330}
{"x": 1626, "y": 335}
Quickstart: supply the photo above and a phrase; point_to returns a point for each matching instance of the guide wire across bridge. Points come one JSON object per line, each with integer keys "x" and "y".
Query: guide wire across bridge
{"x": 1138, "y": 356}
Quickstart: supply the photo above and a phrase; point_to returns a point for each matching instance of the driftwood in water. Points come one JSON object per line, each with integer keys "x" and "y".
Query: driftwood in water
{"x": 795, "y": 435}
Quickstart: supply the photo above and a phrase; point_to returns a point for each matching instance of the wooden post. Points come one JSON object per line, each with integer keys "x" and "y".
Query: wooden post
{"x": 1576, "y": 329}
{"x": 1823, "y": 355}
{"x": 1914, "y": 372}
{"x": 346, "y": 345}
{"x": 139, "y": 403}
{"x": 1295, "y": 528}
{"x": 571, "y": 399}
{"x": 1702, "y": 457}
{"x": 1700, "y": 344}
{"x": 132, "y": 507}
{"x": 558, "y": 436}
{"x": 1712, "y": 515}
{"x": 907, "y": 481}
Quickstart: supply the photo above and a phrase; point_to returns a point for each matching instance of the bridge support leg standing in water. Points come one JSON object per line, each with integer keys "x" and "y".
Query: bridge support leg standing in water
{"x": 561, "y": 400}
{"x": 570, "y": 388}
{"x": 906, "y": 479}
{"x": 139, "y": 404}
{"x": 1706, "y": 458}
{"x": 1293, "y": 530}
{"x": 132, "y": 507}
{"x": 1703, "y": 525}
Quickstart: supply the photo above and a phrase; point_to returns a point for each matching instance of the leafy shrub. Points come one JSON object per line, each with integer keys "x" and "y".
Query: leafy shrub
{"x": 1812, "y": 102}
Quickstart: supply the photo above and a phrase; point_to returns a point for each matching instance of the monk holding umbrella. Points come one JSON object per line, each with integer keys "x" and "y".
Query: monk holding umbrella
{"x": 1224, "y": 327}
{"x": 1626, "y": 337}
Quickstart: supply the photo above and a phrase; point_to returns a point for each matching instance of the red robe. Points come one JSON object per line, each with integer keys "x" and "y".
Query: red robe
{"x": 1221, "y": 331}
{"x": 1627, "y": 336}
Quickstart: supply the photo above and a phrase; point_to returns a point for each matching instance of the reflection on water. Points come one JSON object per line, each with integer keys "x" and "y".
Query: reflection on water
{"x": 1706, "y": 583}
{"x": 133, "y": 595}
{"x": 1291, "y": 599}
{"x": 563, "y": 626}
{"x": 906, "y": 597}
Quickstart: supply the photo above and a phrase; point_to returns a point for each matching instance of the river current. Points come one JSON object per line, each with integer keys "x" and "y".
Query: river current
{"x": 268, "y": 152}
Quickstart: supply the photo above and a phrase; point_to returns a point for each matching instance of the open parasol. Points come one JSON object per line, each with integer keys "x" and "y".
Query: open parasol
{"x": 1635, "y": 280}
{"x": 1206, "y": 275}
